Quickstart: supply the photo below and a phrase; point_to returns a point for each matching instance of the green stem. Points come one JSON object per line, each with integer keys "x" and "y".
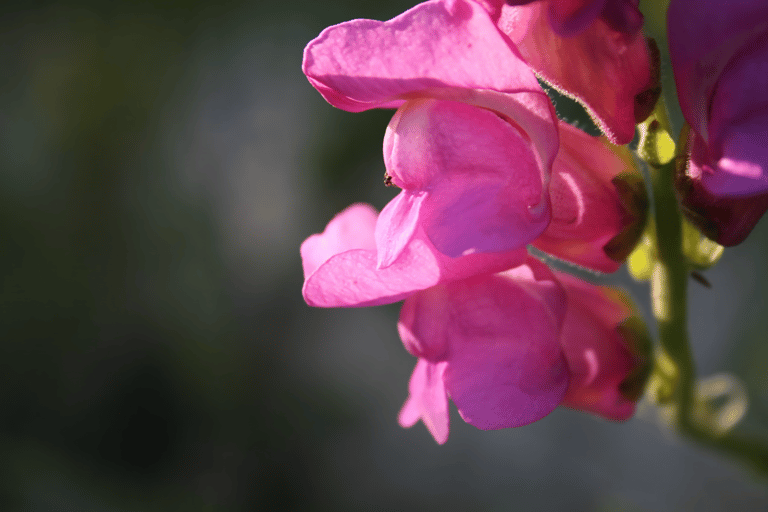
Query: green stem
{"x": 670, "y": 287}
{"x": 669, "y": 291}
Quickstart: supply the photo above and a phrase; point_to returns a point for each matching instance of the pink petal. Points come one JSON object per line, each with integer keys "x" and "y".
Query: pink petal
{"x": 362, "y": 64}
{"x": 602, "y": 68}
{"x": 350, "y": 229}
{"x": 396, "y": 226}
{"x": 427, "y": 400}
{"x": 485, "y": 188}
{"x": 505, "y": 365}
{"x": 589, "y": 212}
{"x": 353, "y": 279}
{"x": 443, "y": 49}
{"x": 422, "y": 325}
{"x": 607, "y": 305}
{"x": 598, "y": 356}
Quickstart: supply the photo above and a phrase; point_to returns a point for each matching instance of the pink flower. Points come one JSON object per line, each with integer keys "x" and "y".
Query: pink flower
{"x": 495, "y": 340}
{"x": 474, "y": 138}
{"x": 720, "y": 61}
{"x": 496, "y": 347}
{"x": 596, "y": 54}
{"x": 473, "y": 142}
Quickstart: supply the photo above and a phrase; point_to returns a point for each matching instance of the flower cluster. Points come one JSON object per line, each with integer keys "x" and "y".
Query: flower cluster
{"x": 486, "y": 169}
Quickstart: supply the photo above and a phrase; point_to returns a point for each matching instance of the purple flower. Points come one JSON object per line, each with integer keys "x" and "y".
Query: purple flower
{"x": 720, "y": 59}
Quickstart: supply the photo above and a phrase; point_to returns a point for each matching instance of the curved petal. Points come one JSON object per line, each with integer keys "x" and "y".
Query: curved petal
{"x": 738, "y": 125}
{"x": 485, "y": 189}
{"x": 444, "y": 49}
{"x": 608, "y": 305}
{"x": 596, "y": 220}
{"x": 441, "y": 44}
{"x": 599, "y": 359}
{"x": 725, "y": 219}
{"x": 505, "y": 367}
{"x": 704, "y": 37}
{"x": 396, "y": 226}
{"x": 427, "y": 400}
{"x": 604, "y": 69}
{"x": 350, "y": 229}
{"x": 353, "y": 279}
{"x": 720, "y": 60}
{"x": 422, "y": 326}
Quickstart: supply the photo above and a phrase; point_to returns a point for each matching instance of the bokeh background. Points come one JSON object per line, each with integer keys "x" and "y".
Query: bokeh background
{"x": 160, "y": 164}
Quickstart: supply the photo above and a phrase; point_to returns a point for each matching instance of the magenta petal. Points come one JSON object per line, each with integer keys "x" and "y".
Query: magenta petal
{"x": 341, "y": 264}
{"x": 363, "y": 64}
{"x": 720, "y": 60}
{"x": 350, "y": 229}
{"x": 738, "y": 124}
{"x": 598, "y": 356}
{"x": 588, "y": 211}
{"x": 422, "y": 324}
{"x": 427, "y": 400}
{"x": 742, "y": 170}
{"x": 602, "y": 68}
{"x": 726, "y": 219}
{"x": 486, "y": 189}
{"x": 505, "y": 365}
{"x": 704, "y": 38}
{"x": 352, "y": 278}
{"x": 396, "y": 225}
{"x": 443, "y": 49}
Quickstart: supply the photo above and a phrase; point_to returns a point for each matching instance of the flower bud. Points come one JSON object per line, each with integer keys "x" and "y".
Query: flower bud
{"x": 607, "y": 348}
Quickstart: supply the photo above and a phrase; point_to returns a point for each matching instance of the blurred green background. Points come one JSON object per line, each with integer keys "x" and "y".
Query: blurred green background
{"x": 160, "y": 164}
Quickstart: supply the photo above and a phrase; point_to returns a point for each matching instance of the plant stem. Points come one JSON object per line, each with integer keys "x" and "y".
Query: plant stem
{"x": 669, "y": 289}
{"x": 670, "y": 286}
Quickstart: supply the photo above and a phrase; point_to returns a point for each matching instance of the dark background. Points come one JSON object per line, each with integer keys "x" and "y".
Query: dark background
{"x": 160, "y": 164}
